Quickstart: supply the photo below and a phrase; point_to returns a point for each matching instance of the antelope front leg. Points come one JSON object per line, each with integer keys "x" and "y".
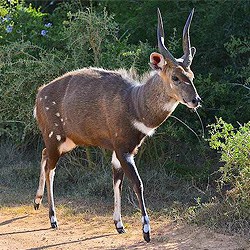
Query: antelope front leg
{"x": 118, "y": 176}
{"x": 40, "y": 190}
{"x": 129, "y": 167}
{"x": 49, "y": 184}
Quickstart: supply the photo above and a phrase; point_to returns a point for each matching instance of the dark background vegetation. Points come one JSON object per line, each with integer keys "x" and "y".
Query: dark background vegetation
{"x": 183, "y": 174}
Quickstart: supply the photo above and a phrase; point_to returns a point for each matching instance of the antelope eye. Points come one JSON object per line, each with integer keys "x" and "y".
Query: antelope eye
{"x": 175, "y": 78}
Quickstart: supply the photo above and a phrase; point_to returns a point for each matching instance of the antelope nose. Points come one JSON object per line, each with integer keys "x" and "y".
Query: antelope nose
{"x": 196, "y": 100}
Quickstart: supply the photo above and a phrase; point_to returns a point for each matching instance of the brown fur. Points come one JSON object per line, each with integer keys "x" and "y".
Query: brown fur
{"x": 94, "y": 107}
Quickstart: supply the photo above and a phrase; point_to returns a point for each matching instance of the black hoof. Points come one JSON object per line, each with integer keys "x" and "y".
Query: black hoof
{"x": 54, "y": 225}
{"x": 146, "y": 237}
{"x": 36, "y": 206}
{"x": 121, "y": 230}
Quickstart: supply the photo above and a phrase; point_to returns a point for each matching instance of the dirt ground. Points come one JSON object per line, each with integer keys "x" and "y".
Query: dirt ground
{"x": 24, "y": 228}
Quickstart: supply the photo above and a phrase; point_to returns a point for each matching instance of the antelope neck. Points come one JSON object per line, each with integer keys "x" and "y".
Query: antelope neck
{"x": 152, "y": 102}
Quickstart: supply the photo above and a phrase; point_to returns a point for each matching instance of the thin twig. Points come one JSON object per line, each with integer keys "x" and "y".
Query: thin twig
{"x": 186, "y": 126}
{"x": 202, "y": 126}
{"x": 239, "y": 84}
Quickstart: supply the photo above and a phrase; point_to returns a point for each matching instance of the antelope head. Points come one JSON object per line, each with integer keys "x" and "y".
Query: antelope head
{"x": 176, "y": 73}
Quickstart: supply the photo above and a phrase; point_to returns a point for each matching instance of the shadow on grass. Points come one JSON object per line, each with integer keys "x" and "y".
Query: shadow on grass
{"x": 12, "y": 220}
{"x": 25, "y": 231}
{"x": 72, "y": 242}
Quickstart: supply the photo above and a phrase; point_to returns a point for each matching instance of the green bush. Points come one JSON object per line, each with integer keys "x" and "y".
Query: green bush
{"x": 23, "y": 67}
{"x": 234, "y": 147}
{"x": 228, "y": 208}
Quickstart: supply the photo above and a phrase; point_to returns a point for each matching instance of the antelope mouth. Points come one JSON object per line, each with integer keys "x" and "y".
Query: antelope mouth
{"x": 188, "y": 104}
{"x": 184, "y": 101}
{"x": 192, "y": 105}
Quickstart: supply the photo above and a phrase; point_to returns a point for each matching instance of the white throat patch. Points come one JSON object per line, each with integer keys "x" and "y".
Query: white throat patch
{"x": 170, "y": 106}
{"x": 143, "y": 128}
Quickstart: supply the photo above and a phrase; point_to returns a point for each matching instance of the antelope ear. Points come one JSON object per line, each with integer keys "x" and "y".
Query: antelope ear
{"x": 156, "y": 61}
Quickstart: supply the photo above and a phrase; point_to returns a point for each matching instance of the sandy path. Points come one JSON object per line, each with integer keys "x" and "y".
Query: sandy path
{"x": 23, "y": 228}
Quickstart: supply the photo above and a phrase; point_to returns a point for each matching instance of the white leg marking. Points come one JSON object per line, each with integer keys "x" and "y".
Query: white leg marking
{"x": 40, "y": 190}
{"x": 66, "y": 146}
{"x": 145, "y": 223}
{"x": 143, "y": 128}
{"x": 117, "y": 199}
{"x": 146, "y": 228}
{"x": 53, "y": 219}
{"x": 117, "y": 195}
{"x": 115, "y": 162}
{"x": 119, "y": 224}
{"x": 51, "y": 195}
{"x": 58, "y": 114}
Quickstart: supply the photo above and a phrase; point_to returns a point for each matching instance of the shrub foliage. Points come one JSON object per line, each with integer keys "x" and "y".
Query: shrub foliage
{"x": 234, "y": 147}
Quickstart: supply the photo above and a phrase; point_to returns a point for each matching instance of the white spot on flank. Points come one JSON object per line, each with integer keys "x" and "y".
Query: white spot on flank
{"x": 56, "y": 124}
{"x": 50, "y": 134}
{"x": 58, "y": 137}
{"x": 54, "y": 103}
{"x": 45, "y": 97}
{"x": 40, "y": 98}
{"x": 61, "y": 119}
{"x": 34, "y": 112}
{"x": 58, "y": 114}
{"x": 170, "y": 106}
{"x": 66, "y": 146}
{"x": 47, "y": 108}
{"x": 143, "y": 128}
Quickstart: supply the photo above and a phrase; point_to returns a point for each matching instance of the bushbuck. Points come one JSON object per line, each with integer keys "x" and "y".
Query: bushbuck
{"x": 108, "y": 109}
